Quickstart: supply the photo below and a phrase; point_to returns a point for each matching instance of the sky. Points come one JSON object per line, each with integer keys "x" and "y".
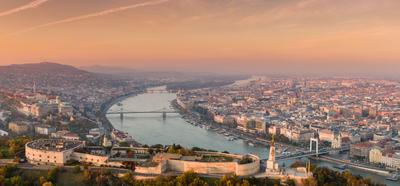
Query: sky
{"x": 355, "y": 36}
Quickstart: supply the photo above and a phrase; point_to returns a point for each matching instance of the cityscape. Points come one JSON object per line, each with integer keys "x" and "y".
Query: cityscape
{"x": 199, "y": 93}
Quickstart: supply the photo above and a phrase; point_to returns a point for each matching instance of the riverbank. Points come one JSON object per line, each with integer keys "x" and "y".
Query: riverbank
{"x": 106, "y": 124}
{"x": 352, "y": 165}
{"x": 231, "y": 133}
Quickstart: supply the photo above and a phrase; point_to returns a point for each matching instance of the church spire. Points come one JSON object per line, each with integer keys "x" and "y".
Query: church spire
{"x": 34, "y": 87}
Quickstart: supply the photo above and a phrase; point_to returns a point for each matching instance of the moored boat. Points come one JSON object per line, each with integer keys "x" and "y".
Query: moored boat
{"x": 393, "y": 177}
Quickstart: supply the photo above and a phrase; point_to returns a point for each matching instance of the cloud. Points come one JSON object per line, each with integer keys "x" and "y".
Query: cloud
{"x": 91, "y": 15}
{"x": 291, "y": 10}
{"x": 30, "y": 5}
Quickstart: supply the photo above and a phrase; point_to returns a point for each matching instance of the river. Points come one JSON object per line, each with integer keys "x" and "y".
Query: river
{"x": 152, "y": 129}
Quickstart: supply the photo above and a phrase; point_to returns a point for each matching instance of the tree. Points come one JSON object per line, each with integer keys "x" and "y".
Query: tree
{"x": 186, "y": 178}
{"x": 16, "y": 180}
{"x": 291, "y": 182}
{"x": 77, "y": 169}
{"x": 53, "y": 174}
{"x": 87, "y": 176}
{"x": 198, "y": 182}
{"x": 310, "y": 182}
{"x": 128, "y": 179}
{"x": 47, "y": 184}
{"x": 42, "y": 180}
{"x": 228, "y": 180}
{"x": 244, "y": 183}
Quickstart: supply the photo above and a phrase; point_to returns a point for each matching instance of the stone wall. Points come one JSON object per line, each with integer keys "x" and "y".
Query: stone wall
{"x": 159, "y": 169}
{"x": 202, "y": 167}
{"x": 215, "y": 167}
{"x": 249, "y": 168}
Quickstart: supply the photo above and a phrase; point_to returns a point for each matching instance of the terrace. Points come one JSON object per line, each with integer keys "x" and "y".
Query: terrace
{"x": 53, "y": 144}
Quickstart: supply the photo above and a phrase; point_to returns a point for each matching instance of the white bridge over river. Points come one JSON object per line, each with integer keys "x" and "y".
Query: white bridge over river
{"x": 314, "y": 151}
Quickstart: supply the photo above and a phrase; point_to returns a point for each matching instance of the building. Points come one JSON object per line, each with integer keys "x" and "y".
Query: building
{"x": 375, "y": 155}
{"x": 44, "y": 129}
{"x": 120, "y": 136}
{"x": 19, "y": 127}
{"x": 360, "y": 150}
{"x": 325, "y": 135}
{"x": 65, "y": 108}
{"x": 50, "y": 151}
{"x": 219, "y": 119}
{"x": 337, "y": 141}
{"x": 71, "y": 136}
{"x": 3, "y": 133}
{"x": 274, "y": 130}
{"x": 297, "y": 134}
{"x": 389, "y": 158}
{"x": 40, "y": 109}
{"x": 60, "y": 151}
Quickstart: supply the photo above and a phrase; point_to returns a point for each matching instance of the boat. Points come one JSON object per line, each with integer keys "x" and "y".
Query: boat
{"x": 393, "y": 177}
{"x": 340, "y": 167}
{"x": 251, "y": 144}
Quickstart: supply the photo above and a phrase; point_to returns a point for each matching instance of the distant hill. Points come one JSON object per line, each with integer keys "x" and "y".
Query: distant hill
{"x": 44, "y": 67}
{"x": 48, "y": 74}
{"x": 108, "y": 69}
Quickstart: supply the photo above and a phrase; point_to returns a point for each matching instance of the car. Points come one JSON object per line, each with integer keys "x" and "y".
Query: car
{"x": 22, "y": 160}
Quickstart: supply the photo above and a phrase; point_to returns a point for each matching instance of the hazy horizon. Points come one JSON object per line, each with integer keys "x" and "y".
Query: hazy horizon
{"x": 260, "y": 36}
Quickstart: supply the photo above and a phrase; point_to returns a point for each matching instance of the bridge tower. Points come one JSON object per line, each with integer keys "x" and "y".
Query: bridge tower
{"x": 164, "y": 115}
{"x": 312, "y": 141}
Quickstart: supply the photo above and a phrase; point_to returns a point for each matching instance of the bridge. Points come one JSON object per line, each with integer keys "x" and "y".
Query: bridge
{"x": 314, "y": 142}
{"x": 163, "y": 111}
{"x": 307, "y": 154}
{"x": 153, "y": 91}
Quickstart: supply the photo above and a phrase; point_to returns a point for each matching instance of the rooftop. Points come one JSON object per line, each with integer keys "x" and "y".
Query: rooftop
{"x": 53, "y": 144}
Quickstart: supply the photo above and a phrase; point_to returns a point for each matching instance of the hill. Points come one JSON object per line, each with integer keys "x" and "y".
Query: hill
{"x": 49, "y": 75}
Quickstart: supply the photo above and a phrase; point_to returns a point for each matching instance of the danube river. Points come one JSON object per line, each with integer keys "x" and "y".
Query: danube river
{"x": 153, "y": 129}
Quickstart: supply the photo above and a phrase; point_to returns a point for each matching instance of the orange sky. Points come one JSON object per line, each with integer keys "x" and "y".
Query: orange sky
{"x": 196, "y": 34}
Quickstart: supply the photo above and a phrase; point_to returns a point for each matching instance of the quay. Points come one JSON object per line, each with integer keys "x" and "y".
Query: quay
{"x": 352, "y": 165}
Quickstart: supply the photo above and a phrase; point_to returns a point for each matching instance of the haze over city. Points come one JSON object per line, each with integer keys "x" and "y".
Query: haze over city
{"x": 256, "y": 36}
{"x": 199, "y": 92}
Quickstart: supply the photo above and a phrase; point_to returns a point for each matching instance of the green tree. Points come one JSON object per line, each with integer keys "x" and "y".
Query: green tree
{"x": 198, "y": 182}
{"x": 42, "y": 180}
{"x": 228, "y": 180}
{"x": 16, "y": 180}
{"x": 53, "y": 174}
{"x": 128, "y": 179}
{"x": 77, "y": 169}
{"x": 186, "y": 178}
{"x": 47, "y": 184}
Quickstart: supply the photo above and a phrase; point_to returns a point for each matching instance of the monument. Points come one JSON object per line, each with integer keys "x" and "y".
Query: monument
{"x": 272, "y": 166}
